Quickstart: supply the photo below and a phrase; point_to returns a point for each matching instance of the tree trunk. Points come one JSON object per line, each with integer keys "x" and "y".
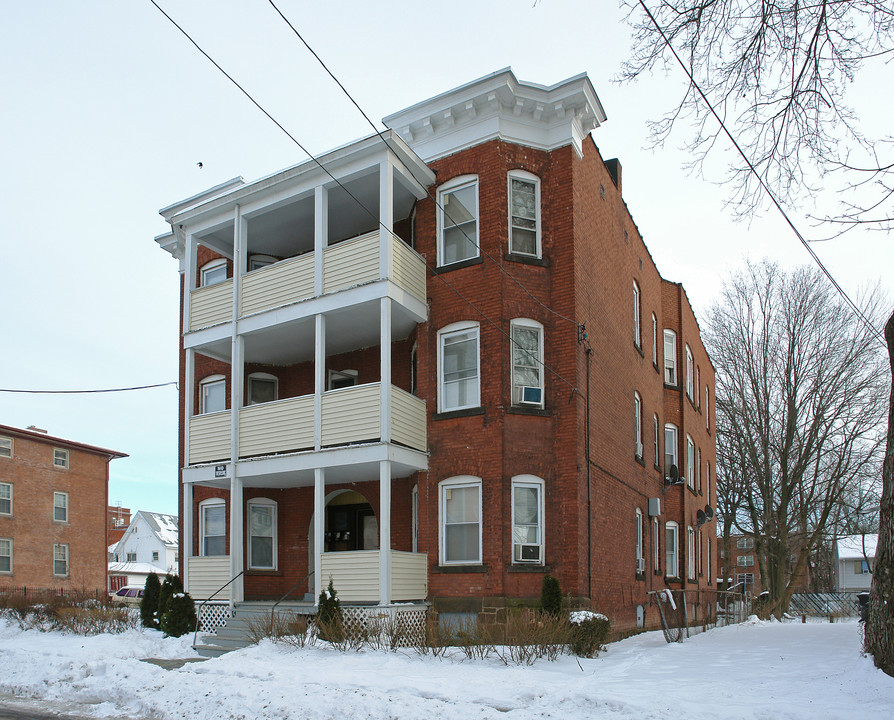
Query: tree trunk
{"x": 880, "y": 626}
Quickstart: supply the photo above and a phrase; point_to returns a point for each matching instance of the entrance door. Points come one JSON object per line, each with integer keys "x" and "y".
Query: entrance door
{"x": 351, "y": 527}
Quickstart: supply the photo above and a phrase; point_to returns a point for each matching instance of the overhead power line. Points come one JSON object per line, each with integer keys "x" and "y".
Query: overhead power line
{"x": 850, "y": 303}
{"x": 360, "y": 204}
{"x": 86, "y": 392}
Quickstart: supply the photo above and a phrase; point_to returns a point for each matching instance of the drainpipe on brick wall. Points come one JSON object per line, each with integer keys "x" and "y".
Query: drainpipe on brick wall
{"x": 588, "y": 352}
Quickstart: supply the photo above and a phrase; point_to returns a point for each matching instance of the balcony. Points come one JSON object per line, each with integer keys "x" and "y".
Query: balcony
{"x": 345, "y": 265}
{"x": 349, "y": 416}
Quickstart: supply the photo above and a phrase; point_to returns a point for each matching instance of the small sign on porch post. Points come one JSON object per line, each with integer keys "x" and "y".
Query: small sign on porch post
{"x": 220, "y": 471}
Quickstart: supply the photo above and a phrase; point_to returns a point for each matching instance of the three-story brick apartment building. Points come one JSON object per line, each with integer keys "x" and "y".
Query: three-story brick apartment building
{"x": 447, "y": 374}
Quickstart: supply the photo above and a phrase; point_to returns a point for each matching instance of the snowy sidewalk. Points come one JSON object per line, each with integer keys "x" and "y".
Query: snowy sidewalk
{"x": 755, "y": 671}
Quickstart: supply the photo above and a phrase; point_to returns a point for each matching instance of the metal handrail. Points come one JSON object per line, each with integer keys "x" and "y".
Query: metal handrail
{"x": 207, "y": 600}
{"x": 288, "y": 592}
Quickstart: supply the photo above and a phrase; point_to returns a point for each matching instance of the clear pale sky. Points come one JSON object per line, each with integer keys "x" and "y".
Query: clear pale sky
{"x": 106, "y": 109}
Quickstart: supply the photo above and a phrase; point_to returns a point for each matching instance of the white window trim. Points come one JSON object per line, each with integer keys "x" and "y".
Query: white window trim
{"x": 265, "y": 260}
{"x": 63, "y": 454}
{"x": 209, "y": 266}
{"x": 347, "y": 374}
{"x": 638, "y": 426}
{"x": 211, "y": 502}
{"x": 674, "y": 449}
{"x": 690, "y": 537}
{"x": 690, "y": 461}
{"x": 67, "y": 561}
{"x": 261, "y": 376}
{"x": 11, "y": 508}
{"x": 531, "y": 324}
{"x": 689, "y": 373}
{"x": 262, "y": 502}
{"x": 414, "y": 517}
{"x": 639, "y": 535}
{"x": 460, "y": 481}
{"x": 656, "y": 542}
{"x": 654, "y": 339}
{"x": 57, "y": 494}
{"x": 744, "y": 543}
{"x": 673, "y": 569}
{"x": 708, "y": 481}
{"x": 655, "y": 424}
{"x": 453, "y": 185}
{"x": 637, "y": 305}
{"x": 529, "y": 481}
{"x": 443, "y": 333}
{"x": 11, "y": 566}
{"x": 670, "y": 359}
{"x": 211, "y": 380}
{"x": 531, "y": 178}
{"x": 7, "y": 443}
{"x": 707, "y": 409}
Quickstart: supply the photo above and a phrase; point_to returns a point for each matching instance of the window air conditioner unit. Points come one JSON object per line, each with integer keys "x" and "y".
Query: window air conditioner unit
{"x": 639, "y": 449}
{"x": 528, "y": 395}
{"x": 527, "y": 553}
{"x": 640, "y": 565}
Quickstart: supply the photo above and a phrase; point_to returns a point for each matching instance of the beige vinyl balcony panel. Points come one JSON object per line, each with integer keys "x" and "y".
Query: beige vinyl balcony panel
{"x": 408, "y": 425}
{"x": 355, "y": 575}
{"x": 351, "y": 263}
{"x": 209, "y": 437}
{"x": 408, "y": 269}
{"x": 351, "y": 415}
{"x": 278, "y": 426}
{"x": 207, "y": 575}
{"x": 276, "y": 285}
{"x": 211, "y": 305}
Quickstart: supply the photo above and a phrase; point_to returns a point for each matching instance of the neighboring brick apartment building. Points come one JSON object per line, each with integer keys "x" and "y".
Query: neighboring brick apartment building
{"x": 743, "y": 571}
{"x": 53, "y": 499}
{"x": 488, "y": 424}
{"x": 118, "y": 520}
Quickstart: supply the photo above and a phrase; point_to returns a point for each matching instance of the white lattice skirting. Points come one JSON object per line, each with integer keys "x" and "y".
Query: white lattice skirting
{"x": 213, "y": 615}
{"x": 405, "y": 624}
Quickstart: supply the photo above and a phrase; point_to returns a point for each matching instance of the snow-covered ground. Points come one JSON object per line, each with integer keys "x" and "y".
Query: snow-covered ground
{"x": 755, "y": 671}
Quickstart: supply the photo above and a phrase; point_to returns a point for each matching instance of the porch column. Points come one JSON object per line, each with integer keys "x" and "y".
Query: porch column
{"x": 189, "y": 395}
{"x": 186, "y": 550}
{"x": 236, "y": 535}
{"x": 385, "y": 532}
{"x": 237, "y": 379}
{"x": 321, "y": 234}
{"x": 386, "y": 215}
{"x": 319, "y": 528}
{"x": 319, "y": 377}
{"x": 385, "y": 364}
{"x": 189, "y": 277}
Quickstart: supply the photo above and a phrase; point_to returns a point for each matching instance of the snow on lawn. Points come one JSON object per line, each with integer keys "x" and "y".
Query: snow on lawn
{"x": 752, "y": 671}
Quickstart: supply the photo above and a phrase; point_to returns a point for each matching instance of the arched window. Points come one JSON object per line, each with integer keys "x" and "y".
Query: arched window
{"x": 212, "y": 394}
{"x": 670, "y": 448}
{"x": 637, "y": 334}
{"x": 670, "y": 357}
{"x": 527, "y": 362}
{"x": 214, "y": 272}
{"x": 640, "y": 558}
{"x": 527, "y": 520}
{"x": 262, "y": 388}
{"x": 458, "y": 220}
{"x": 459, "y": 380}
{"x": 671, "y": 544}
{"x": 638, "y": 425}
{"x": 524, "y": 213}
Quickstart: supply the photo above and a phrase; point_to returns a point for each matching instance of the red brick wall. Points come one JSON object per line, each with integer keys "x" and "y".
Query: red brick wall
{"x": 32, "y": 527}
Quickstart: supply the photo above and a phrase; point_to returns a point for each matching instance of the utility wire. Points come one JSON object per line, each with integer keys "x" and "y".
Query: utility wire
{"x": 85, "y": 392}
{"x": 431, "y": 269}
{"x": 770, "y": 194}
{"x": 428, "y": 192}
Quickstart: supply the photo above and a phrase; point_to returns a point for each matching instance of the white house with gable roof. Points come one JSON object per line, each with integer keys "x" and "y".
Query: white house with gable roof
{"x": 149, "y": 545}
{"x": 854, "y": 559}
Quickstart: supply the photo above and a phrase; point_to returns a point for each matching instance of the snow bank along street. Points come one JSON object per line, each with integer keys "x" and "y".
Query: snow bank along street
{"x": 755, "y": 670}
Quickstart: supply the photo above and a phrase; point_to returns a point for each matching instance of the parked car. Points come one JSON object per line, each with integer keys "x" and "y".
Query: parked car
{"x": 129, "y": 595}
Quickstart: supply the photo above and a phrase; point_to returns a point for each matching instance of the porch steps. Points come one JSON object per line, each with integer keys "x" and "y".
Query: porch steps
{"x": 236, "y": 633}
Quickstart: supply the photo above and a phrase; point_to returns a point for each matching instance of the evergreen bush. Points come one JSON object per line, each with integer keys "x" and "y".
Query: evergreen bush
{"x": 330, "y": 618}
{"x": 589, "y": 633}
{"x": 149, "y": 603}
{"x": 179, "y": 616}
{"x": 171, "y": 585}
{"x": 551, "y": 596}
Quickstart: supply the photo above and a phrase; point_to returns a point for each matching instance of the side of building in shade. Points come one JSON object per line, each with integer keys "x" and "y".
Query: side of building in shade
{"x": 454, "y": 372}
{"x": 53, "y": 499}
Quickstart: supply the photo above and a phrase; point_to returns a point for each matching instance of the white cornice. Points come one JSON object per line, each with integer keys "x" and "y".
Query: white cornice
{"x": 499, "y": 106}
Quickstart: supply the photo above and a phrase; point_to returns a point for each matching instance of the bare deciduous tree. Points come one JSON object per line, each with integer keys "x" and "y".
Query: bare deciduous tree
{"x": 778, "y": 74}
{"x": 800, "y": 402}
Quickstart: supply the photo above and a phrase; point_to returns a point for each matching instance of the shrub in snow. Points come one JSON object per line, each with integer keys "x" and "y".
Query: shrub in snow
{"x": 149, "y": 603}
{"x": 551, "y": 596}
{"x": 171, "y": 585}
{"x": 330, "y": 618}
{"x": 589, "y": 633}
{"x": 179, "y": 616}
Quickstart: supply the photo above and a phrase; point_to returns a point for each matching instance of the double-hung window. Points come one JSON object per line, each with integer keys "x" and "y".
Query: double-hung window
{"x": 745, "y": 543}
{"x": 670, "y": 448}
{"x": 656, "y": 544}
{"x": 60, "y": 458}
{"x": 262, "y": 534}
{"x": 5, "y": 498}
{"x": 458, "y": 367}
{"x": 60, "y": 506}
{"x": 213, "y": 528}
{"x": 131, "y": 557}
{"x": 524, "y": 214}
{"x": 707, "y": 409}
{"x": 690, "y": 462}
{"x": 6, "y": 446}
{"x": 640, "y": 558}
{"x": 689, "y": 374}
{"x": 637, "y": 332}
{"x": 262, "y": 388}
{"x": 60, "y": 560}
{"x": 458, "y": 226}
{"x": 638, "y": 425}
{"x": 670, "y": 357}
{"x": 671, "y": 542}
{"x": 654, "y": 340}
{"x": 213, "y": 394}
{"x": 527, "y": 520}
{"x": 460, "y": 509}
{"x": 5, "y": 555}
{"x": 745, "y": 560}
{"x": 214, "y": 272}
{"x": 690, "y": 537}
{"x": 655, "y": 439}
{"x": 527, "y": 362}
